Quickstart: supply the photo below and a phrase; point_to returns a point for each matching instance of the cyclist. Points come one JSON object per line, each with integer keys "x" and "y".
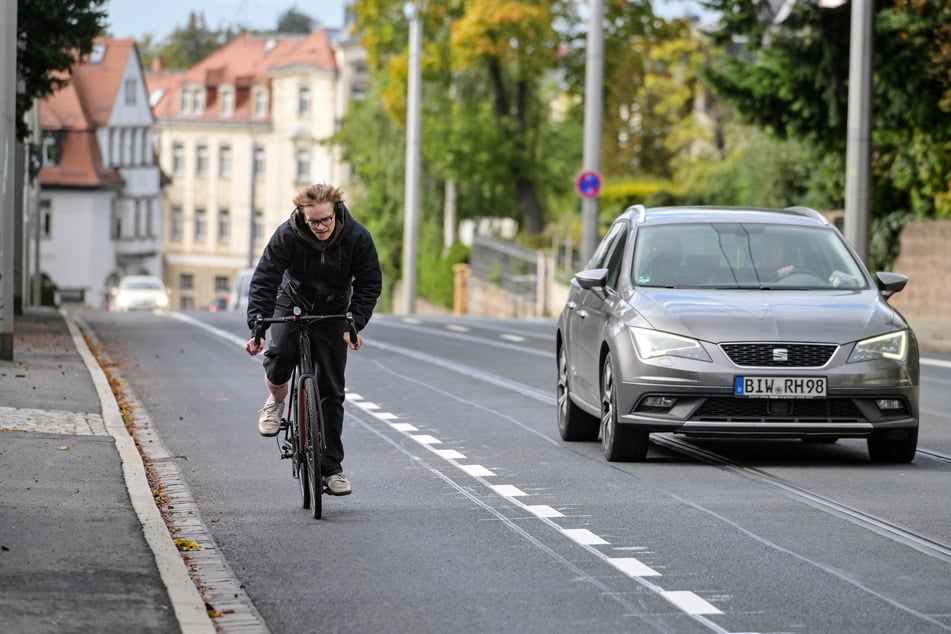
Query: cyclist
{"x": 324, "y": 261}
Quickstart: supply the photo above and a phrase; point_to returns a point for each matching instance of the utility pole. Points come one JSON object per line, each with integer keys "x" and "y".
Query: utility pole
{"x": 412, "y": 183}
{"x": 858, "y": 162}
{"x": 8, "y": 144}
{"x": 593, "y": 106}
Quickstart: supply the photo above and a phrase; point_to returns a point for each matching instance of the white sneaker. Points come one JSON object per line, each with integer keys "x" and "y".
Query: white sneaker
{"x": 337, "y": 484}
{"x": 269, "y": 418}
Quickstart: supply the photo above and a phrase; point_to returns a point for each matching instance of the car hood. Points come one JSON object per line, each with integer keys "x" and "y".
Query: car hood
{"x": 767, "y": 315}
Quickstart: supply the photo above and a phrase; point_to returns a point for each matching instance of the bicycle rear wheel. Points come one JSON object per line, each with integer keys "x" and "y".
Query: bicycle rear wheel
{"x": 311, "y": 441}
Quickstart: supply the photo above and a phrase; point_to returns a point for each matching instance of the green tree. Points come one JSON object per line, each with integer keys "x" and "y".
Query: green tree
{"x": 188, "y": 45}
{"x": 293, "y": 21}
{"x": 51, "y": 36}
{"x": 486, "y": 68}
{"x": 792, "y": 78}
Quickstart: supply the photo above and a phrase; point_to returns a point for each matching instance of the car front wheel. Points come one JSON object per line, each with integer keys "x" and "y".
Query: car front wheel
{"x": 884, "y": 447}
{"x": 574, "y": 424}
{"x": 621, "y": 443}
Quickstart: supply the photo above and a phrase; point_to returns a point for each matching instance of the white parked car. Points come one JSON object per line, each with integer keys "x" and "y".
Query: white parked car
{"x": 140, "y": 292}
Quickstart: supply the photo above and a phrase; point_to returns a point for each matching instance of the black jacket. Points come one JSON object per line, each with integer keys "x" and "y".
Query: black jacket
{"x": 334, "y": 276}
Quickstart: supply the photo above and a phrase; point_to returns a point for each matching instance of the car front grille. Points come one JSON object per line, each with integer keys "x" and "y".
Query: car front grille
{"x": 833, "y": 410}
{"x": 779, "y": 355}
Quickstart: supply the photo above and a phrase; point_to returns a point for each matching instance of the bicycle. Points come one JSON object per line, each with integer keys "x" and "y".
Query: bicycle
{"x": 303, "y": 428}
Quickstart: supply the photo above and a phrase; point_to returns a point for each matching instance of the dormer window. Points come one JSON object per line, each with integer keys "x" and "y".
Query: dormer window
{"x": 227, "y": 101}
{"x": 260, "y": 102}
{"x": 129, "y": 87}
{"x": 52, "y": 148}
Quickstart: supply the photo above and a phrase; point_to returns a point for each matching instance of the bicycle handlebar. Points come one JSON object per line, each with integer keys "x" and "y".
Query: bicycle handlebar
{"x": 261, "y": 322}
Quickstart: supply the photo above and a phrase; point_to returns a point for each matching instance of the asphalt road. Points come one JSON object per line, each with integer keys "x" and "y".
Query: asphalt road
{"x": 469, "y": 514}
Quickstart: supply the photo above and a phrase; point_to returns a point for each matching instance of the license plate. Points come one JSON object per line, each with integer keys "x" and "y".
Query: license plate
{"x": 779, "y": 386}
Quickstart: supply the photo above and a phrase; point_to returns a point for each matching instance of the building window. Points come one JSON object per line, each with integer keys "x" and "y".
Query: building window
{"x": 184, "y": 101}
{"x": 186, "y": 303}
{"x": 258, "y": 227}
{"x": 201, "y": 225}
{"x": 258, "y": 167}
{"x": 178, "y": 159}
{"x": 130, "y": 86}
{"x": 260, "y": 102}
{"x": 224, "y": 226}
{"x": 222, "y": 284}
{"x": 224, "y": 161}
{"x": 303, "y": 165}
{"x": 227, "y": 102}
{"x": 198, "y": 101}
{"x": 303, "y": 100}
{"x": 52, "y": 148}
{"x": 186, "y": 281}
{"x": 178, "y": 224}
{"x": 201, "y": 161}
{"x": 46, "y": 219}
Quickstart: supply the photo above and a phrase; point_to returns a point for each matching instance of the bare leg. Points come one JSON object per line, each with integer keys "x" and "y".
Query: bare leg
{"x": 278, "y": 392}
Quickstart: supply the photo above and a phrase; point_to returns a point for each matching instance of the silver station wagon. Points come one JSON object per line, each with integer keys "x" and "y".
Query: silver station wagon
{"x": 734, "y": 322}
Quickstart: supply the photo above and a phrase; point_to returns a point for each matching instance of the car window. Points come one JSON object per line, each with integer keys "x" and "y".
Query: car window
{"x": 600, "y": 258}
{"x": 743, "y": 255}
{"x": 615, "y": 258}
{"x": 142, "y": 284}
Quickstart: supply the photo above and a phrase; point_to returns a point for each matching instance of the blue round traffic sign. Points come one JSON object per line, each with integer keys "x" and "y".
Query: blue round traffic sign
{"x": 589, "y": 184}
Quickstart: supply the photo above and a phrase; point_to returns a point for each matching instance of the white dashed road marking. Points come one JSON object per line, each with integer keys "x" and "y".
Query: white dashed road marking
{"x": 689, "y": 602}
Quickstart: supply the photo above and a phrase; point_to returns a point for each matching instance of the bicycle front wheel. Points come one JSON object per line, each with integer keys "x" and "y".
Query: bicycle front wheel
{"x": 311, "y": 442}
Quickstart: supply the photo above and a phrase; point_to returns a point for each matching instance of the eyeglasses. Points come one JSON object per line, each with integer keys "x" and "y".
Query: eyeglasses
{"x": 317, "y": 222}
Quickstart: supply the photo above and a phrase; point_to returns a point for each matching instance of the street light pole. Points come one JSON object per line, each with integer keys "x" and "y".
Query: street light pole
{"x": 858, "y": 163}
{"x": 8, "y": 82}
{"x": 593, "y": 106}
{"x": 411, "y": 209}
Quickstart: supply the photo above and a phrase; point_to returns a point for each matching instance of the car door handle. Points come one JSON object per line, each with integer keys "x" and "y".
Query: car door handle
{"x": 582, "y": 313}
{"x": 572, "y": 305}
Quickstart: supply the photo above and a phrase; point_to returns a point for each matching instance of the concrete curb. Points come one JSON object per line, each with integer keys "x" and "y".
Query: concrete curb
{"x": 189, "y": 607}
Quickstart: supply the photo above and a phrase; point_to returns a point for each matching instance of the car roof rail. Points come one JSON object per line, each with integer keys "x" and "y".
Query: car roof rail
{"x": 640, "y": 210}
{"x": 808, "y": 211}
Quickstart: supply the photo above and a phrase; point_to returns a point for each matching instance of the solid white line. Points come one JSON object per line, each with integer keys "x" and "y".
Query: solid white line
{"x": 187, "y": 603}
{"x": 689, "y": 602}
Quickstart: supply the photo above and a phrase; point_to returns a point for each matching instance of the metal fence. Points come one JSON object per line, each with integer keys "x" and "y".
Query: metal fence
{"x": 513, "y": 267}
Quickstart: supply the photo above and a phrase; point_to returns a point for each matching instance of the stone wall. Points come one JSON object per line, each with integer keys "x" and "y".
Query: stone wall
{"x": 926, "y": 301}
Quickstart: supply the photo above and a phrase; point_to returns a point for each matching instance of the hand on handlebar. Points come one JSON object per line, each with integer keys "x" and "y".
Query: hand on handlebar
{"x": 254, "y": 345}
{"x": 354, "y": 345}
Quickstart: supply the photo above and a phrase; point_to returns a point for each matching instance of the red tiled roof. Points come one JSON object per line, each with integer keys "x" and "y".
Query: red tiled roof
{"x": 245, "y": 61}
{"x": 77, "y": 110}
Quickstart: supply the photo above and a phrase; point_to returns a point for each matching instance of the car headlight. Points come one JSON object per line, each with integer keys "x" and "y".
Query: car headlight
{"x": 893, "y": 346}
{"x": 651, "y": 344}
{"x": 161, "y": 301}
{"x": 122, "y": 300}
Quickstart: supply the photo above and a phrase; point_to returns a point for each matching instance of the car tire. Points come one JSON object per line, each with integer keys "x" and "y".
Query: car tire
{"x": 574, "y": 424}
{"x": 620, "y": 443}
{"x": 883, "y": 447}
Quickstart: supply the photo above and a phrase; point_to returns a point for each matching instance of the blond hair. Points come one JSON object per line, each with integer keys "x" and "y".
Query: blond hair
{"x": 319, "y": 193}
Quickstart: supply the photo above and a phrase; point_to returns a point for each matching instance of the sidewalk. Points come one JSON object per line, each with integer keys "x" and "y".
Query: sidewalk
{"x": 80, "y": 547}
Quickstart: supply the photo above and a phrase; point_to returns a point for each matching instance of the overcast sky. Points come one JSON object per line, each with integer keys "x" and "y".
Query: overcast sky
{"x": 135, "y": 18}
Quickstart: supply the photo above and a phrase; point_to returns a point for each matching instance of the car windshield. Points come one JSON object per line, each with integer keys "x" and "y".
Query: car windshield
{"x": 142, "y": 284}
{"x": 744, "y": 255}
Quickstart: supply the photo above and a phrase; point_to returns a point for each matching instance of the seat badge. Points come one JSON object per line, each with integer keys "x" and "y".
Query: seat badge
{"x": 780, "y": 354}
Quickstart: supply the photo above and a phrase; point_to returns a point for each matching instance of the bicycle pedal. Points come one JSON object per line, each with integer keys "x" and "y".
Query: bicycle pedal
{"x": 284, "y": 424}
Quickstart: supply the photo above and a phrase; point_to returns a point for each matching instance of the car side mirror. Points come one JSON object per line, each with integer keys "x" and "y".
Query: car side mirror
{"x": 591, "y": 279}
{"x": 890, "y": 283}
